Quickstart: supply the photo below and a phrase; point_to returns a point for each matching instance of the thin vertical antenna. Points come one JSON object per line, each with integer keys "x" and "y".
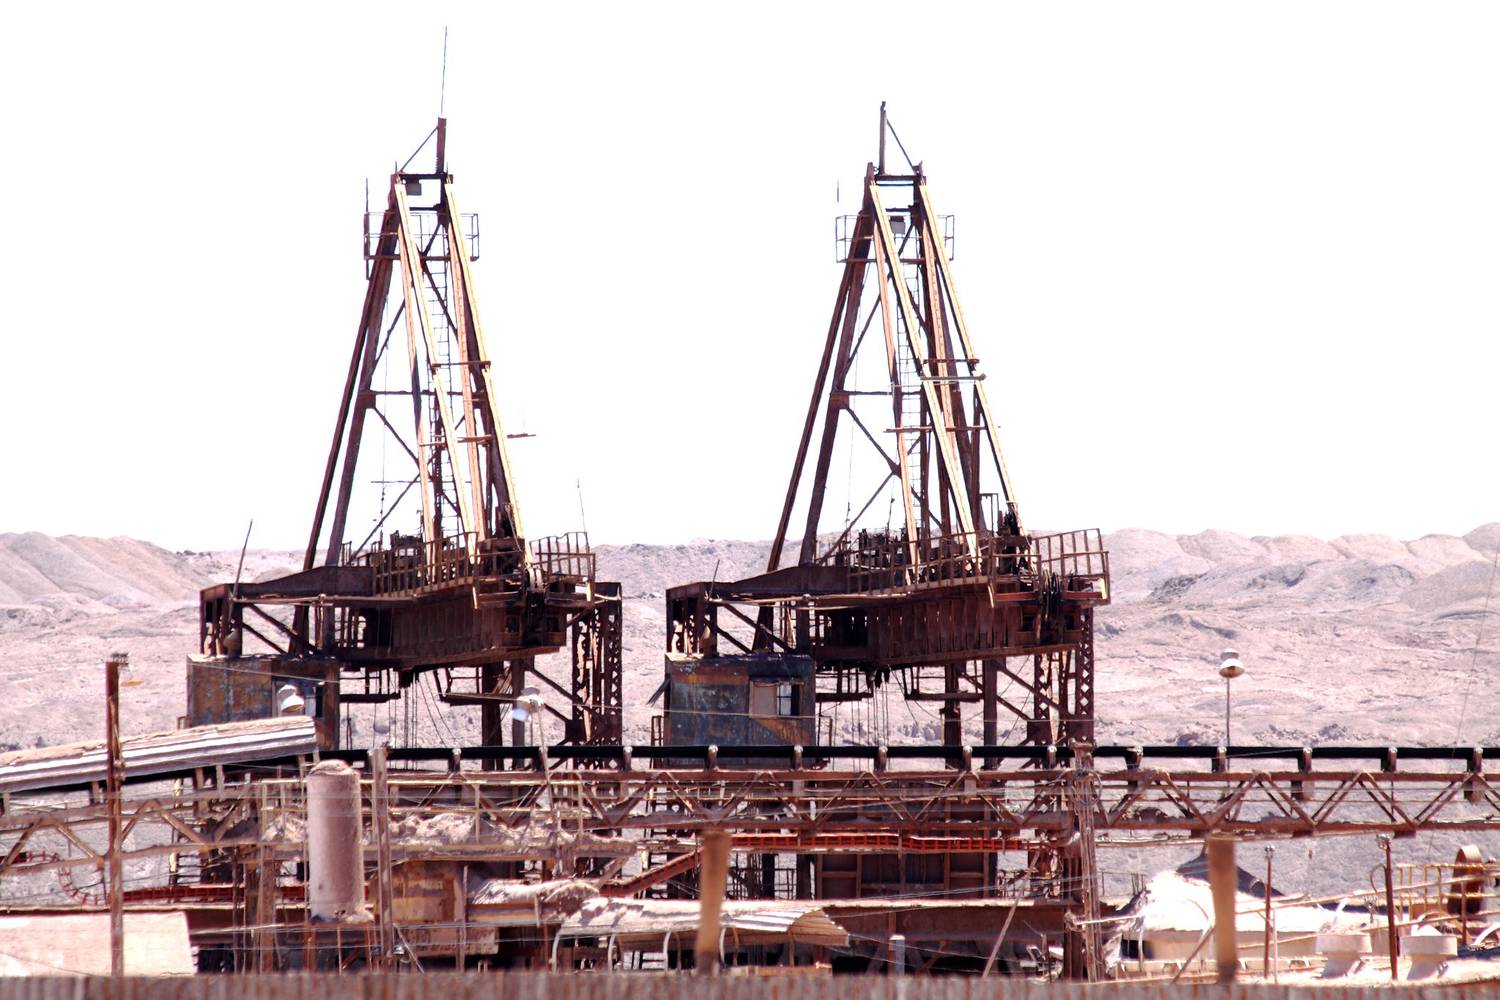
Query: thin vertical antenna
{"x": 881, "y": 168}
{"x": 114, "y": 780}
{"x": 443, "y": 87}
{"x": 239, "y": 570}
{"x": 582, "y": 517}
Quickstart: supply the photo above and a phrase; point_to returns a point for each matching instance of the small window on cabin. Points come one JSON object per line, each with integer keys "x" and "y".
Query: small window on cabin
{"x": 771, "y": 699}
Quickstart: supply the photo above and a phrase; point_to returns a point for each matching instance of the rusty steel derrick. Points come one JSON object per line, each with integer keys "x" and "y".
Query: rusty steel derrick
{"x": 439, "y": 578}
{"x": 951, "y": 598}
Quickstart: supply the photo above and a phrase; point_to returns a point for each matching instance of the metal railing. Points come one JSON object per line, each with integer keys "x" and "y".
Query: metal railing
{"x": 414, "y": 565}
{"x": 564, "y": 558}
{"x": 890, "y": 562}
{"x": 424, "y": 223}
{"x": 1461, "y": 891}
{"x": 1076, "y": 557}
{"x": 901, "y": 225}
{"x": 411, "y": 565}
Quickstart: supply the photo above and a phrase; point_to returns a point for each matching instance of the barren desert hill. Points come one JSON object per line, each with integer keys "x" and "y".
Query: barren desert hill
{"x": 1362, "y": 637}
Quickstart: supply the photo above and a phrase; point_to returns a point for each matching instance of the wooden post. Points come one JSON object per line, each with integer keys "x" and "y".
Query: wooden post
{"x": 898, "y": 955}
{"x": 714, "y": 876}
{"x": 265, "y": 882}
{"x": 1390, "y": 910}
{"x": 462, "y": 910}
{"x": 381, "y": 816}
{"x": 114, "y": 782}
{"x": 1265, "y": 966}
{"x": 989, "y": 691}
{"x": 1221, "y": 879}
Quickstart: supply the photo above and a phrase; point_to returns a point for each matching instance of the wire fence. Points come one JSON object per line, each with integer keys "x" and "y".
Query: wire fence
{"x": 544, "y": 986}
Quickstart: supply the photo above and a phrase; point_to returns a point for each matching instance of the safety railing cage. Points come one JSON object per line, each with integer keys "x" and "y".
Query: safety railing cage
{"x": 565, "y": 559}
{"x": 407, "y": 563}
{"x": 901, "y": 225}
{"x": 425, "y": 222}
{"x": 886, "y": 561}
{"x": 1078, "y": 558}
{"x": 411, "y": 563}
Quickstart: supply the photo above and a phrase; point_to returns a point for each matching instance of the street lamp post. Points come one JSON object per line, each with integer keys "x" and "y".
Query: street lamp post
{"x": 1230, "y": 667}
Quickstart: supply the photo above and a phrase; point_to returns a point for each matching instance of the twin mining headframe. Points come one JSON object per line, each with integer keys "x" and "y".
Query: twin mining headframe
{"x": 929, "y": 579}
{"x": 466, "y": 598}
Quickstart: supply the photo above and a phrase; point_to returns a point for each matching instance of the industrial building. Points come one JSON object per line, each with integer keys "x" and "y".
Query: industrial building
{"x": 750, "y": 833}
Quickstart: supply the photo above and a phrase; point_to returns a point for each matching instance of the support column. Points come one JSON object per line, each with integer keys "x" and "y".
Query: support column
{"x": 805, "y": 872}
{"x": 953, "y": 730}
{"x": 1080, "y": 722}
{"x": 713, "y": 877}
{"x": 518, "y": 737}
{"x": 1222, "y": 880}
{"x": 989, "y": 692}
{"x": 1039, "y": 726}
{"x": 598, "y": 699}
{"x": 380, "y": 819}
{"x": 114, "y": 785}
{"x": 491, "y": 713}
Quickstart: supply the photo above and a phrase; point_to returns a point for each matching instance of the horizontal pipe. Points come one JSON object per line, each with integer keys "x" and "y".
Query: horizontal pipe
{"x": 815, "y": 752}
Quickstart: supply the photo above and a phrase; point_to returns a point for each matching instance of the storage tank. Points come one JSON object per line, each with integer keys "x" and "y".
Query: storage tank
{"x": 335, "y": 858}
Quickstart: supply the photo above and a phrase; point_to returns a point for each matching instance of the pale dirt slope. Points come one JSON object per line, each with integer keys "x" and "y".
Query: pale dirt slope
{"x": 1359, "y": 638}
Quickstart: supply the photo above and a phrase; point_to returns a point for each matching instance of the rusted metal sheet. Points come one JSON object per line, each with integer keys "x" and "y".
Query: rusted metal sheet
{"x": 239, "y": 689}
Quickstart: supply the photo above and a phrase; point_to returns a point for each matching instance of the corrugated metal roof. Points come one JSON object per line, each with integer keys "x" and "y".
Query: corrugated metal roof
{"x": 768, "y": 920}
{"x": 157, "y": 753}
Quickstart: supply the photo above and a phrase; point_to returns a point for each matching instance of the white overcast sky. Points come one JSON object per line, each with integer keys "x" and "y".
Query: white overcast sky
{"x": 1227, "y": 265}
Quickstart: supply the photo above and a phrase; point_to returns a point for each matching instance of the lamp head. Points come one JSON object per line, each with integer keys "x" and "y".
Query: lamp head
{"x": 528, "y": 704}
{"x": 289, "y": 701}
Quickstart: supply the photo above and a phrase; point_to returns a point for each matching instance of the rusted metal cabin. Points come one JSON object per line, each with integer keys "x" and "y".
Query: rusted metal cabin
{"x": 739, "y": 700}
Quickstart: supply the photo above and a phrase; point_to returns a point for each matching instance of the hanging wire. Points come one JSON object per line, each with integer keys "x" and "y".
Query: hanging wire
{"x": 443, "y": 87}
{"x": 899, "y": 146}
